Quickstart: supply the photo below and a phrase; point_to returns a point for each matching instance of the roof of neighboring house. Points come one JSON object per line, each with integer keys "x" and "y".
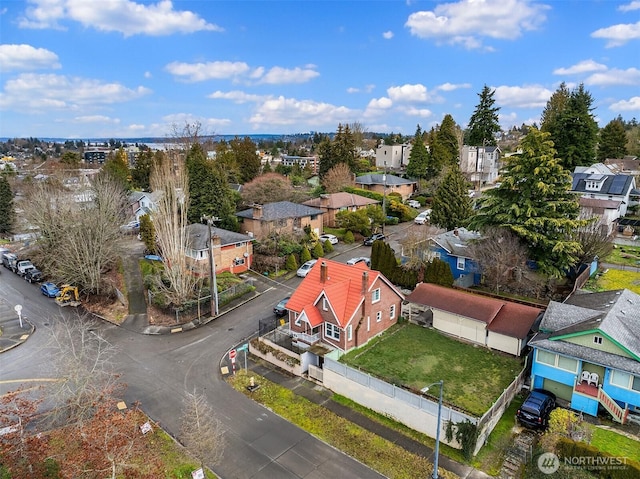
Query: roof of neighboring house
{"x": 456, "y": 242}
{"x": 619, "y": 185}
{"x": 615, "y": 314}
{"x": 341, "y": 200}
{"x": 600, "y": 168}
{"x": 342, "y": 288}
{"x": 136, "y": 196}
{"x": 376, "y": 179}
{"x": 281, "y": 210}
{"x": 628, "y": 164}
{"x": 599, "y": 203}
{"x": 500, "y": 316}
{"x": 198, "y": 236}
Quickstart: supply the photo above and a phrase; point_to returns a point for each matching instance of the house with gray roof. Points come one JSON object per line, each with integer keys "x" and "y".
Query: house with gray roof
{"x": 587, "y": 352}
{"x": 232, "y": 251}
{"x": 391, "y": 183}
{"x": 452, "y": 247}
{"x": 603, "y": 194}
{"x": 282, "y": 218}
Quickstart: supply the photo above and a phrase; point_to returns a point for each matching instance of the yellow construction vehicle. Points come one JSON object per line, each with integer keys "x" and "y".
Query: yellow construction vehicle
{"x": 68, "y": 296}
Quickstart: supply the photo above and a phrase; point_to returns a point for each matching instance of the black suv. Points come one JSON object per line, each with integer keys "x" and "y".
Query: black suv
{"x": 374, "y": 237}
{"x": 33, "y": 275}
{"x": 280, "y": 309}
{"x": 535, "y": 410}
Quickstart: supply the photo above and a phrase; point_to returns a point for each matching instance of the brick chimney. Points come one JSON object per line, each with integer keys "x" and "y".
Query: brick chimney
{"x": 323, "y": 272}
{"x": 365, "y": 282}
{"x": 324, "y": 201}
{"x": 257, "y": 212}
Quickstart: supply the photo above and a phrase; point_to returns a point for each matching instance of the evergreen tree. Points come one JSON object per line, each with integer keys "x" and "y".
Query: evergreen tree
{"x": 141, "y": 172}
{"x": 291, "y": 264}
{"x": 267, "y": 168}
{"x": 534, "y": 201}
{"x": 305, "y": 255}
{"x": 613, "y": 140}
{"x": 71, "y": 158}
{"x": 576, "y": 139}
{"x": 451, "y": 207}
{"x": 447, "y": 140}
{"x": 438, "y": 272}
{"x": 341, "y": 150}
{"x": 209, "y": 191}
{"x": 554, "y": 109}
{"x": 419, "y": 157}
{"x": 148, "y": 233}
{"x": 317, "y": 251}
{"x": 484, "y": 124}
{"x": 7, "y": 213}
{"x": 117, "y": 166}
{"x": 327, "y": 158}
{"x": 226, "y": 161}
{"x": 246, "y": 158}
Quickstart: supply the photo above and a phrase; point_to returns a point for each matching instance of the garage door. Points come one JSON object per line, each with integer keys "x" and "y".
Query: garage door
{"x": 562, "y": 391}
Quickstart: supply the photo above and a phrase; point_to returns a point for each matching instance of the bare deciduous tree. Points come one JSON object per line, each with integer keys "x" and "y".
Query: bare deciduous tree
{"x": 594, "y": 239}
{"x": 80, "y": 235}
{"x": 501, "y": 257}
{"x": 201, "y": 432}
{"x": 169, "y": 181}
{"x": 83, "y": 362}
{"x": 268, "y": 188}
{"x": 338, "y": 178}
{"x": 416, "y": 245}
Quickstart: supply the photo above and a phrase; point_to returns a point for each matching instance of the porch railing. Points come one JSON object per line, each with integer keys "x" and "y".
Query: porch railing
{"x": 618, "y": 413}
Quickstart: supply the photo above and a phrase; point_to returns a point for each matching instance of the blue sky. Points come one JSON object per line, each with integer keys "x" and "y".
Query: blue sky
{"x": 125, "y": 68}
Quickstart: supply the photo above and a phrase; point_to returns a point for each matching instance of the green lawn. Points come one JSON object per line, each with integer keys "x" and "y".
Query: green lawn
{"x": 615, "y": 279}
{"x": 615, "y": 444}
{"x": 411, "y": 355}
{"x": 625, "y": 255}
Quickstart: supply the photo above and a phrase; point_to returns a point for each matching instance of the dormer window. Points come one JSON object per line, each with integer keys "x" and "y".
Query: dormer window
{"x": 597, "y": 340}
{"x": 594, "y": 182}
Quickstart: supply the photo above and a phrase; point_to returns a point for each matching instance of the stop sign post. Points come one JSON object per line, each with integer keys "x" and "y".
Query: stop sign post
{"x": 232, "y": 356}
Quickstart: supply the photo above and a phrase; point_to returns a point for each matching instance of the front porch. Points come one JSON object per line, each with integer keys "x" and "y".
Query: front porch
{"x": 588, "y": 395}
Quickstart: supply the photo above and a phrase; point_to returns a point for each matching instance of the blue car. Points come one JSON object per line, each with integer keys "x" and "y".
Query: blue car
{"x": 50, "y": 290}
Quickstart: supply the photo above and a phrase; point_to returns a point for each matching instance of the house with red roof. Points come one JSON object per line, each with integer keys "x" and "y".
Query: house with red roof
{"x": 494, "y": 323}
{"x": 342, "y": 306}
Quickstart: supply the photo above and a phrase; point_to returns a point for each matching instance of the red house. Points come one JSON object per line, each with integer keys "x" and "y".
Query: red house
{"x": 342, "y": 306}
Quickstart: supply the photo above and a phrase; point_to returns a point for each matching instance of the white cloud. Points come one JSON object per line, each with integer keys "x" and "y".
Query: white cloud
{"x": 388, "y": 35}
{"x": 183, "y": 118}
{"x": 635, "y": 5}
{"x": 467, "y": 22}
{"x": 584, "y": 66}
{"x": 419, "y": 112}
{"x": 290, "y": 111}
{"x": 366, "y": 89}
{"x": 194, "y": 72}
{"x": 618, "y": 35}
{"x": 96, "y": 119}
{"x": 282, "y": 76}
{"x": 630, "y": 76}
{"x": 123, "y": 16}
{"x": 452, "y": 86}
{"x": 237, "y": 96}
{"x": 30, "y": 91}
{"x": 531, "y": 96}
{"x": 632, "y": 104}
{"x": 148, "y": 75}
{"x": 408, "y": 93}
{"x": 25, "y": 57}
{"x": 382, "y": 103}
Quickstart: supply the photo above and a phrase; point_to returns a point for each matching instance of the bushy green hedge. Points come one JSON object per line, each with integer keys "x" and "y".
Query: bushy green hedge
{"x": 366, "y": 193}
{"x": 597, "y": 459}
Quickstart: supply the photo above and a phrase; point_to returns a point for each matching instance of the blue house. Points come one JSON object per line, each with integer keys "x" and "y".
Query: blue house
{"x": 453, "y": 248}
{"x": 587, "y": 352}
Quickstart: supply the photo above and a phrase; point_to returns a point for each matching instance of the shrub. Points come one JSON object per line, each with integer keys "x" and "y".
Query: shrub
{"x": 291, "y": 264}
{"x": 318, "y": 252}
{"x": 327, "y": 246}
{"x": 348, "y": 238}
{"x": 305, "y": 255}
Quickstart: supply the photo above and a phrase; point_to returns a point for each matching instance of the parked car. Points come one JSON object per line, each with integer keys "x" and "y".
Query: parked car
{"x": 152, "y": 257}
{"x": 130, "y": 227}
{"x": 374, "y": 237}
{"x": 23, "y": 266}
{"x": 327, "y": 237}
{"x": 9, "y": 261}
{"x": 49, "y": 289}
{"x": 535, "y": 410}
{"x": 360, "y": 259}
{"x": 414, "y": 203}
{"x": 422, "y": 218}
{"x": 279, "y": 309}
{"x": 303, "y": 271}
{"x": 33, "y": 275}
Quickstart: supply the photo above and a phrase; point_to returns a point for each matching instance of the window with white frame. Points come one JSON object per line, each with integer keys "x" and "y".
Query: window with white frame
{"x": 392, "y": 311}
{"x": 297, "y": 319}
{"x": 325, "y": 304}
{"x": 332, "y": 331}
{"x": 379, "y": 316}
{"x": 238, "y": 261}
{"x": 349, "y": 332}
{"x": 568, "y": 364}
{"x": 625, "y": 380}
{"x": 375, "y": 296}
{"x": 557, "y": 361}
{"x": 460, "y": 263}
{"x": 545, "y": 357}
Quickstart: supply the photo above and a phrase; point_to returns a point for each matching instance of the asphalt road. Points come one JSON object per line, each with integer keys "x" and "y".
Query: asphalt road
{"x": 159, "y": 370}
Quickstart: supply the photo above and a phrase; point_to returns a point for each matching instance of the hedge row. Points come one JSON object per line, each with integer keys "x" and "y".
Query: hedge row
{"x": 601, "y": 464}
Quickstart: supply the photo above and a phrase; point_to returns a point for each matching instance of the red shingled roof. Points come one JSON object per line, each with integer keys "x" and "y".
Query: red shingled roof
{"x": 504, "y": 317}
{"x": 342, "y": 288}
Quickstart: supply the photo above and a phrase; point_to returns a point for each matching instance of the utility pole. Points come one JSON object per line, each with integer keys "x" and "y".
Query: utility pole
{"x": 212, "y": 268}
{"x": 384, "y": 197}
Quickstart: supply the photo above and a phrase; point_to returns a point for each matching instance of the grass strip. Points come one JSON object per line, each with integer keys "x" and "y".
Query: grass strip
{"x": 379, "y": 454}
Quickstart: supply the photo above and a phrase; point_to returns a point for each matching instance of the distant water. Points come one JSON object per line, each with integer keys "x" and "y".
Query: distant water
{"x": 162, "y": 140}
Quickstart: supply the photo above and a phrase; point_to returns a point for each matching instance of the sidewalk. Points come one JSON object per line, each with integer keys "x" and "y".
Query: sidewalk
{"x": 321, "y": 396}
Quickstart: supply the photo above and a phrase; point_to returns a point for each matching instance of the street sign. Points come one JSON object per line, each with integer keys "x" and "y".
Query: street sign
{"x": 243, "y": 347}
{"x": 232, "y": 355}
{"x": 197, "y": 474}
